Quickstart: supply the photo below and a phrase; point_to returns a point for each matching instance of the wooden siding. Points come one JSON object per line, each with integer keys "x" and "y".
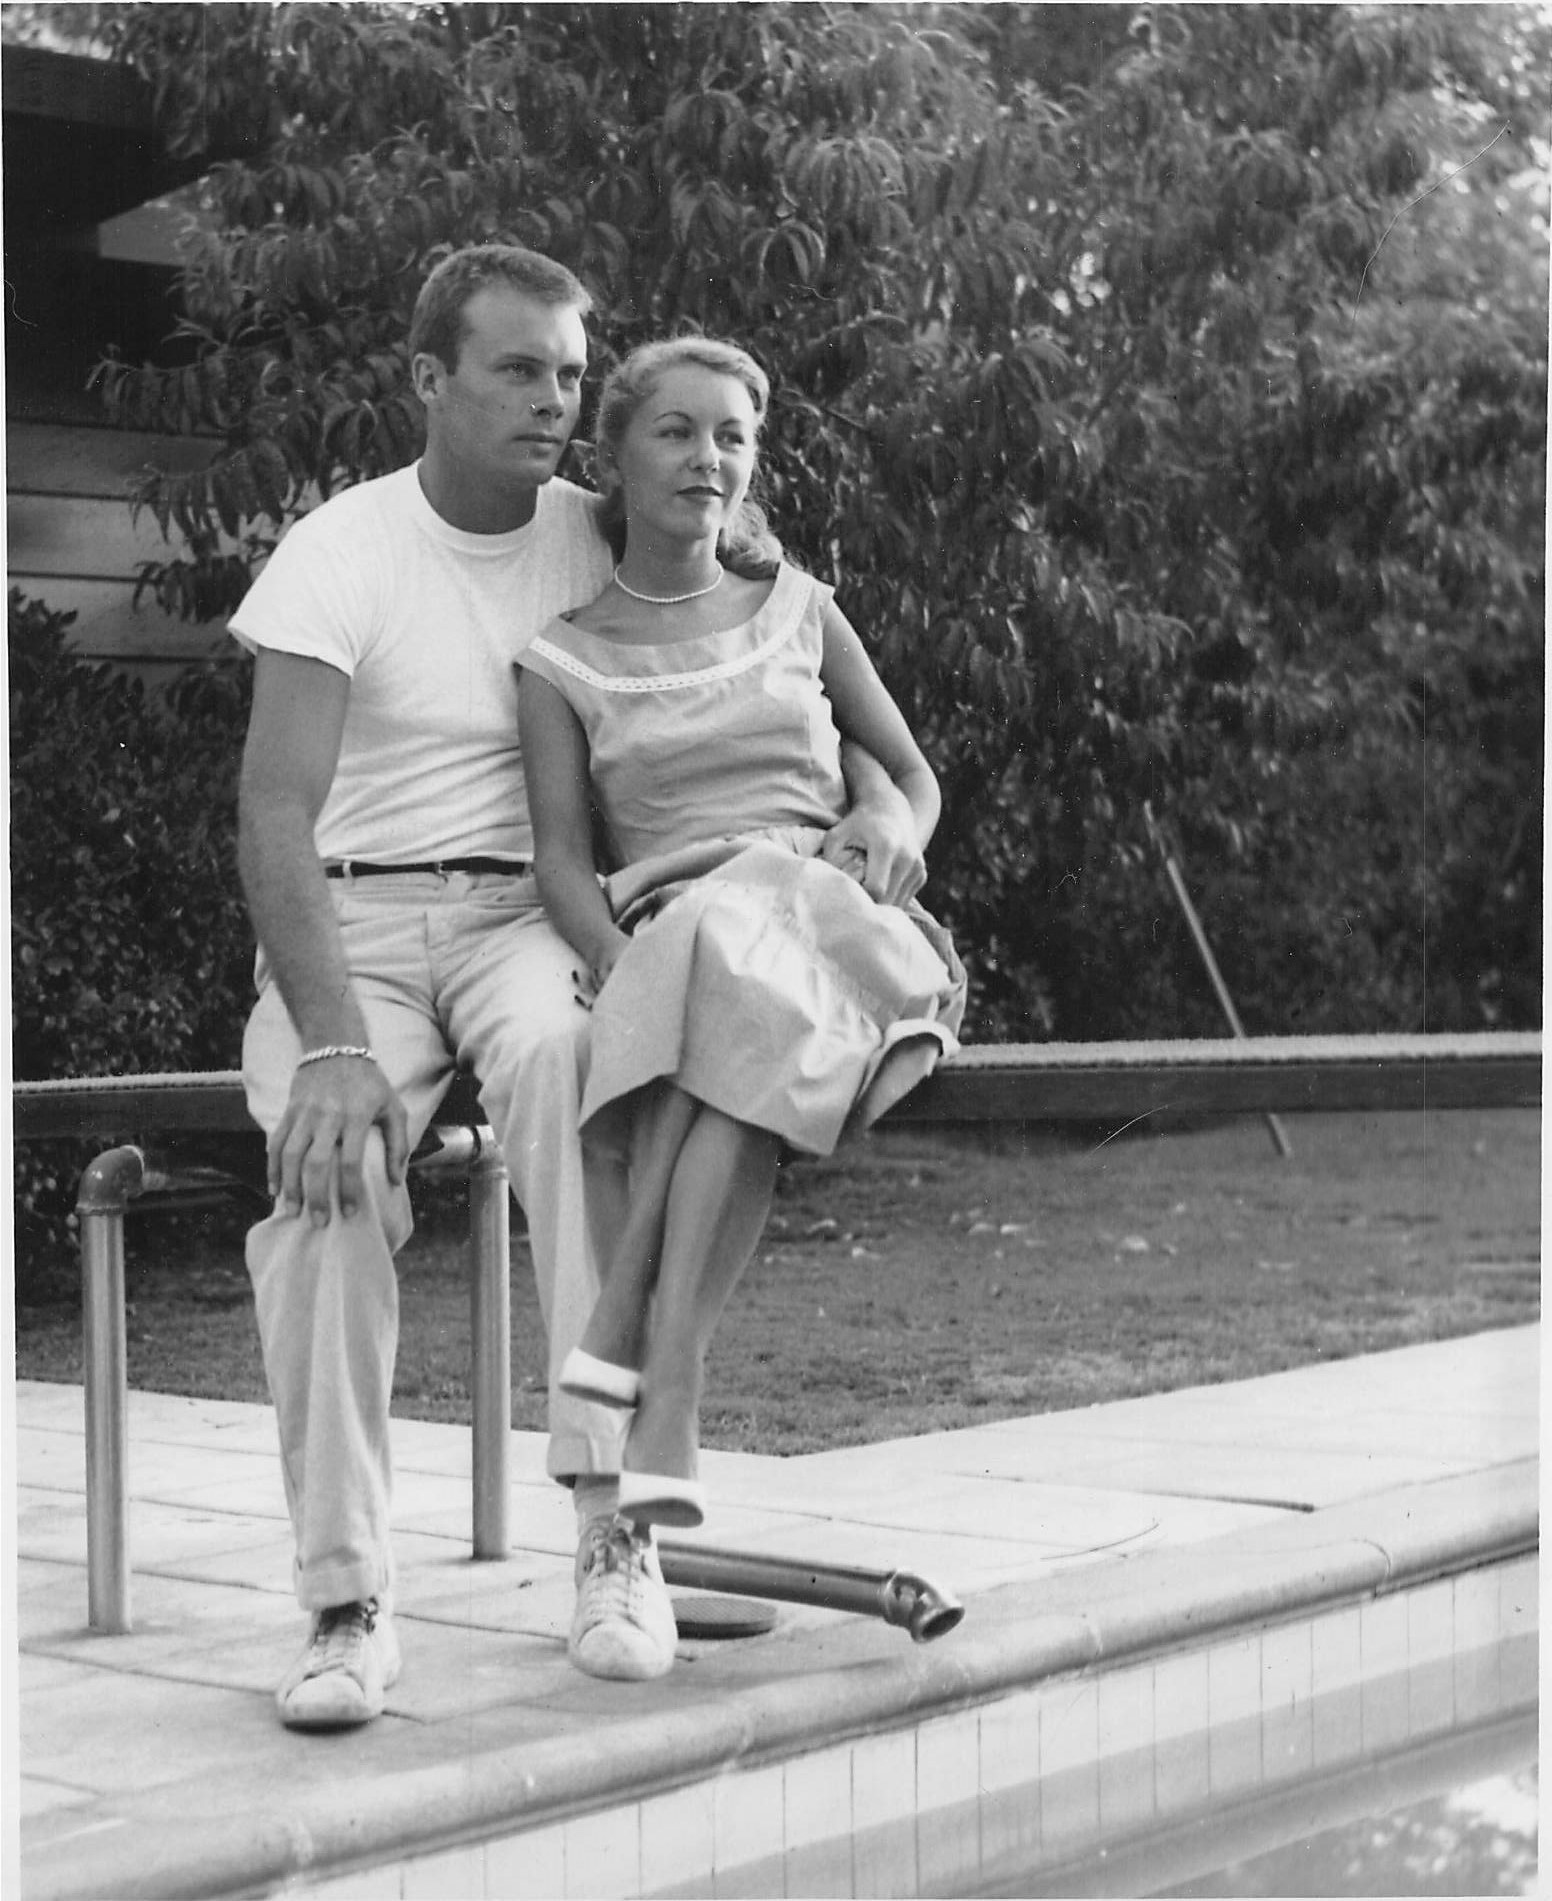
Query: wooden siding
{"x": 74, "y": 543}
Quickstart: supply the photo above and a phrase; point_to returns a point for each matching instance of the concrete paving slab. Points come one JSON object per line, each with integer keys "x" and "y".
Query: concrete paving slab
{"x": 55, "y": 1403}
{"x": 457, "y": 1669}
{"x": 235, "y": 1635}
{"x": 1052, "y": 1517}
{"x": 1398, "y": 1426}
{"x": 265, "y": 1565}
{"x": 38, "y": 1795}
{"x": 1279, "y": 1475}
{"x": 50, "y": 1459}
{"x": 166, "y": 1470}
{"x": 180, "y": 1728}
{"x": 159, "y": 1534}
{"x": 36, "y": 1671}
{"x": 178, "y": 1419}
{"x": 524, "y": 1605}
{"x": 1068, "y": 1536}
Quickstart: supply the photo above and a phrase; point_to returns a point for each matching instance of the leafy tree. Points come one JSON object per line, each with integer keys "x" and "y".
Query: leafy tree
{"x": 1158, "y": 470}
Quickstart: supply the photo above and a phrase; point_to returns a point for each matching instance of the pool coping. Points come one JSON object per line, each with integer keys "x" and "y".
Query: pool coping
{"x": 856, "y": 1680}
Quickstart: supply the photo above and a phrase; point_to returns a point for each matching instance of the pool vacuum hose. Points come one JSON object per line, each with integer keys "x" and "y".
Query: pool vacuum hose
{"x": 899, "y": 1597}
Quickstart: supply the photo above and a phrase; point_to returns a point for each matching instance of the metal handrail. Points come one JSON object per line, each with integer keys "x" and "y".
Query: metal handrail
{"x": 115, "y": 1180}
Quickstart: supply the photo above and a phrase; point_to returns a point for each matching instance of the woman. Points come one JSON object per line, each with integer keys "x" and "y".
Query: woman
{"x": 748, "y": 994}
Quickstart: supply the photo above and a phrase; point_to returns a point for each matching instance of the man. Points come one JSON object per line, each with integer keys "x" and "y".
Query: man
{"x": 385, "y": 852}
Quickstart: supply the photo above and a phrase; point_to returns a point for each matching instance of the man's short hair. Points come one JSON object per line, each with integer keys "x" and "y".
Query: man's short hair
{"x": 438, "y": 327}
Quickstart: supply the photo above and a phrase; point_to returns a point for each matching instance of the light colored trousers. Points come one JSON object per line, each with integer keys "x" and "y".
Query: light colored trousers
{"x": 453, "y": 969}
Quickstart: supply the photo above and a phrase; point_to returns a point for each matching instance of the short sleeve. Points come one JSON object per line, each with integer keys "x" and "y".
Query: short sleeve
{"x": 547, "y": 658}
{"x": 312, "y": 597}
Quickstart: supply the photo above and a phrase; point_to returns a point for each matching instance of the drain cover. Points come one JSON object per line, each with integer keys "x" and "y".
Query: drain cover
{"x": 704, "y": 1616}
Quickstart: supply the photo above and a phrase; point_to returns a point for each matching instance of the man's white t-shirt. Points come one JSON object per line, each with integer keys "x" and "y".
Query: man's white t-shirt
{"x": 427, "y": 621}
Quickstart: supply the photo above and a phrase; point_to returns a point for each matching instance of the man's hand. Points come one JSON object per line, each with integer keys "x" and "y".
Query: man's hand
{"x": 320, "y": 1139}
{"x": 876, "y": 843}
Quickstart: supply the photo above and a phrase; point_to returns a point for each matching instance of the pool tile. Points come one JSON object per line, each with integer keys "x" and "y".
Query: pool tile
{"x": 752, "y": 1881}
{"x": 1430, "y": 1658}
{"x": 603, "y": 1853}
{"x": 1287, "y": 1702}
{"x": 456, "y": 1874}
{"x": 818, "y": 1869}
{"x": 1234, "y": 1711}
{"x": 1069, "y": 1764}
{"x": 1337, "y": 1661}
{"x": 1518, "y": 1623}
{"x": 678, "y": 1838}
{"x": 883, "y": 1796}
{"x": 948, "y": 1828}
{"x": 1478, "y": 1610}
{"x": 818, "y": 1822}
{"x": 1126, "y": 1748}
{"x": 1383, "y": 1699}
{"x": 746, "y": 1829}
{"x": 1181, "y": 1769}
{"x": 528, "y": 1867}
{"x": 1478, "y": 1613}
{"x": 1010, "y": 1780}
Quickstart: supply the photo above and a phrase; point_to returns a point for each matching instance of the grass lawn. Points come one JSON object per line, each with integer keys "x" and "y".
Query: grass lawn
{"x": 929, "y": 1279}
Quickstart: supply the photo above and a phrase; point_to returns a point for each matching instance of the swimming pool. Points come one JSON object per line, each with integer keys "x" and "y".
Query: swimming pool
{"x": 1477, "y": 1839}
{"x": 1456, "y": 1816}
{"x": 1205, "y": 1760}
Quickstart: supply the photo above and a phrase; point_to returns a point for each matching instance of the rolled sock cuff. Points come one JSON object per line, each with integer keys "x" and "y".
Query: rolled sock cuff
{"x": 595, "y": 1497}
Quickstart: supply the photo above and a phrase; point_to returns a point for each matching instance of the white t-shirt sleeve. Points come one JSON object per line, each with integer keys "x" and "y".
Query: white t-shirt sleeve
{"x": 313, "y": 596}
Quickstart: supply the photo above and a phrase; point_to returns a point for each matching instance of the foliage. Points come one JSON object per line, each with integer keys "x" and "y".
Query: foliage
{"x": 130, "y": 950}
{"x": 1171, "y": 436}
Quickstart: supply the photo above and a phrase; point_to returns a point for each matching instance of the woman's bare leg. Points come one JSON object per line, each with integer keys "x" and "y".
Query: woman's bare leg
{"x": 716, "y": 1208}
{"x": 616, "y": 1329}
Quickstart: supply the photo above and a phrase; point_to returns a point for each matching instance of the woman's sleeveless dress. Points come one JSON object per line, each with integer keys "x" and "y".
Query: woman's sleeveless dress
{"x": 761, "y": 979}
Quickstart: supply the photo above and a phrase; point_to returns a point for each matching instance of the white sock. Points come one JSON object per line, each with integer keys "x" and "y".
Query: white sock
{"x": 595, "y": 1496}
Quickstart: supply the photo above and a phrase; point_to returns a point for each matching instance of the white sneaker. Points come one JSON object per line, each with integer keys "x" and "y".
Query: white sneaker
{"x": 351, "y": 1660}
{"x": 624, "y": 1623}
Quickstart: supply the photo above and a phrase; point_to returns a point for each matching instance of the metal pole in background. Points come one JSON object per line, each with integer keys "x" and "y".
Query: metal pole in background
{"x": 490, "y": 1205}
{"x": 106, "y": 1190}
{"x": 465, "y": 1150}
{"x": 1177, "y": 884}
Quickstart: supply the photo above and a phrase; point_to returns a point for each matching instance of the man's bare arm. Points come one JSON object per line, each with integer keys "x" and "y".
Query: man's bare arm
{"x": 288, "y": 765}
{"x": 879, "y": 831}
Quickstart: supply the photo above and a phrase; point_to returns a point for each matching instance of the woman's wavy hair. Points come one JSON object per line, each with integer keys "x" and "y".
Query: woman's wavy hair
{"x": 746, "y": 545}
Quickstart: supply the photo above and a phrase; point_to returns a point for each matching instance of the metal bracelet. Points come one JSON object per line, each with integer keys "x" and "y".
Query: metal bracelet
{"x": 335, "y": 1049}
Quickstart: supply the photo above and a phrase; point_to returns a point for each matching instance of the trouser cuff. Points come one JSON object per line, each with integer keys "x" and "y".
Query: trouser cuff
{"x": 574, "y": 1455}
{"x": 324, "y": 1586}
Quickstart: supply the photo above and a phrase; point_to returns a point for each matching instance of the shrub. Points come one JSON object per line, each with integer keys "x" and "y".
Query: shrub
{"x": 130, "y": 947}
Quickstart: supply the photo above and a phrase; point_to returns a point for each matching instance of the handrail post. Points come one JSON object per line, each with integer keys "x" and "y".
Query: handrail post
{"x": 106, "y": 1190}
{"x": 490, "y": 1345}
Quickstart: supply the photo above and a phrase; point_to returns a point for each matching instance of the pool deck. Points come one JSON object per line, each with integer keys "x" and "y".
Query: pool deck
{"x": 153, "y": 1763}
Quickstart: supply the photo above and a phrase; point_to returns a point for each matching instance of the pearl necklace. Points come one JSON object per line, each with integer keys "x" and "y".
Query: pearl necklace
{"x": 669, "y": 600}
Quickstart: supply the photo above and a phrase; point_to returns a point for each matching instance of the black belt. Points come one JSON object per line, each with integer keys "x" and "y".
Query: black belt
{"x": 355, "y": 868}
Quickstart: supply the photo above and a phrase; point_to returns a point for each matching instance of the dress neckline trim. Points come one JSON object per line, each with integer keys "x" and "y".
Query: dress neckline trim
{"x": 784, "y": 606}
